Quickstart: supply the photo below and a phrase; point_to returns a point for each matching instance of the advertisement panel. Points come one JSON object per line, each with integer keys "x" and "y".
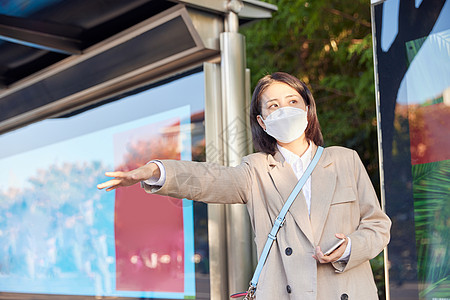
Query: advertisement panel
{"x": 413, "y": 69}
{"x": 59, "y": 235}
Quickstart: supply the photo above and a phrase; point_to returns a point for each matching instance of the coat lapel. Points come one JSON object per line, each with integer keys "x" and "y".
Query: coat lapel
{"x": 285, "y": 180}
{"x": 323, "y": 183}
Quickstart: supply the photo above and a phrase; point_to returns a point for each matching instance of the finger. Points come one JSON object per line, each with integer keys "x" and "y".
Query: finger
{"x": 104, "y": 185}
{"x": 111, "y": 188}
{"x": 335, "y": 255}
{"x": 319, "y": 255}
{"x": 320, "y": 260}
{"x": 340, "y": 236}
{"x": 319, "y": 251}
{"x": 108, "y": 183}
{"x": 325, "y": 259}
{"x": 115, "y": 174}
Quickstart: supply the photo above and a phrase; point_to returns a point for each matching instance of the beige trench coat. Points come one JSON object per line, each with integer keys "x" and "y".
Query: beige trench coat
{"x": 342, "y": 201}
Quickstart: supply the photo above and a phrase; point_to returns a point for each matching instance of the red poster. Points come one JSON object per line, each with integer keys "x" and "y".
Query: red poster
{"x": 428, "y": 129}
{"x": 149, "y": 233}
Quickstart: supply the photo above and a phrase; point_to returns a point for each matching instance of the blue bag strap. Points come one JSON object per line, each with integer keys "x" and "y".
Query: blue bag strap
{"x": 279, "y": 221}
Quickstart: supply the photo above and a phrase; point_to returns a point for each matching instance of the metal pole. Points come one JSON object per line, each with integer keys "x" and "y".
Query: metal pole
{"x": 380, "y": 145}
{"x": 235, "y": 141}
{"x": 217, "y": 235}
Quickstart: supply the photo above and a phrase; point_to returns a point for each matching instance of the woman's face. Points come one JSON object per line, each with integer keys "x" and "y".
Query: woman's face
{"x": 279, "y": 95}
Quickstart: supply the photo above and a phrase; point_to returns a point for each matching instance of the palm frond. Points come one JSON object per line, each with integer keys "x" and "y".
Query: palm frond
{"x": 431, "y": 190}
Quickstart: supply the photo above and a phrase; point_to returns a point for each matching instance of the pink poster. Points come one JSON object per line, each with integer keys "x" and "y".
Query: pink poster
{"x": 148, "y": 228}
{"x": 428, "y": 130}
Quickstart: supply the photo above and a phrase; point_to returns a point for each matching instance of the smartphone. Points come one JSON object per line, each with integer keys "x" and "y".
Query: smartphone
{"x": 334, "y": 247}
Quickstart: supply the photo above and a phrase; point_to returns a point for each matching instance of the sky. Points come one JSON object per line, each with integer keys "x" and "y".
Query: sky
{"x": 429, "y": 73}
{"x": 88, "y": 136}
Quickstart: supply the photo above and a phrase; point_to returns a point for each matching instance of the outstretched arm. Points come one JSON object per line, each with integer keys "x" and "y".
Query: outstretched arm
{"x": 203, "y": 181}
{"x": 200, "y": 181}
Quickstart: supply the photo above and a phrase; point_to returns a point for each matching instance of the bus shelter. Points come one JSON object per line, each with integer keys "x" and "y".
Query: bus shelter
{"x": 90, "y": 86}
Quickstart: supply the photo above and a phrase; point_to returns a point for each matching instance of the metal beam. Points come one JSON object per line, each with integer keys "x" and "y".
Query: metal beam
{"x": 40, "y": 34}
{"x": 156, "y": 48}
{"x": 252, "y": 9}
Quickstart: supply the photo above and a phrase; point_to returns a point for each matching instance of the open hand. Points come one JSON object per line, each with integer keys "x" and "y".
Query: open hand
{"x": 130, "y": 177}
{"x": 335, "y": 255}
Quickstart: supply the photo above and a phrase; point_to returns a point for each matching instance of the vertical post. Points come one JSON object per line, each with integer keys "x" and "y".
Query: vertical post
{"x": 235, "y": 141}
{"x": 380, "y": 144}
{"x": 217, "y": 234}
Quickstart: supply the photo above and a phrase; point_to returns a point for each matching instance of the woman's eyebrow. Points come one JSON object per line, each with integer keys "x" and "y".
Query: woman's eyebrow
{"x": 287, "y": 96}
{"x": 270, "y": 100}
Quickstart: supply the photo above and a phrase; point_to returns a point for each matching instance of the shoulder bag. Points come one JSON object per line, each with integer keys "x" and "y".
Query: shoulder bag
{"x": 279, "y": 222}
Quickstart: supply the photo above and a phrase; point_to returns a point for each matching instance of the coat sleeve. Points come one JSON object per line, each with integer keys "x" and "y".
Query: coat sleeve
{"x": 373, "y": 232}
{"x": 206, "y": 182}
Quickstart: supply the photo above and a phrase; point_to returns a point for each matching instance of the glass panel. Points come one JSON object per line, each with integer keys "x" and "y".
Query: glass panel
{"x": 60, "y": 235}
{"x": 413, "y": 68}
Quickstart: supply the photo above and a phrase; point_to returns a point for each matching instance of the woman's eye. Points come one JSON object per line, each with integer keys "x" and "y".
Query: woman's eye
{"x": 294, "y": 101}
{"x": 273, "y": 105}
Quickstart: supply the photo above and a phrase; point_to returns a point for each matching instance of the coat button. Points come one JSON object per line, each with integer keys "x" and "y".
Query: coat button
{"x": 288, "y": 251}
{"x": 288, "y": 289}
{"x": 344, "y": 297}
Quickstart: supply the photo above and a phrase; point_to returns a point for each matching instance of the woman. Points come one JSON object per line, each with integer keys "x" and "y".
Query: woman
{"x": 337, "y": 201}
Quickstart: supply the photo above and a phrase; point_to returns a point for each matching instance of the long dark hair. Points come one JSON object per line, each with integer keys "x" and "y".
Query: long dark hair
{"x": 261, "y": 140}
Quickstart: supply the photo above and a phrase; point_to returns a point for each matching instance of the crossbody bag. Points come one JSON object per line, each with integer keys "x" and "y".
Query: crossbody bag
{"x": 279, "y": 222}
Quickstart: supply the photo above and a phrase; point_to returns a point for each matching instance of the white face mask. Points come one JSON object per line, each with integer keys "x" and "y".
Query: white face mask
{"x": 286, "y": 124}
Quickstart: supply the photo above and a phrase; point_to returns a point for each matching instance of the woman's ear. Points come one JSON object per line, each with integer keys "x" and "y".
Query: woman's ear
{"x": 260, "y": 122}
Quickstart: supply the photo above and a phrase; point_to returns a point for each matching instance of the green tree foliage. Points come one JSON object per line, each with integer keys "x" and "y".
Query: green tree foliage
{"x": 327, "y": 44}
